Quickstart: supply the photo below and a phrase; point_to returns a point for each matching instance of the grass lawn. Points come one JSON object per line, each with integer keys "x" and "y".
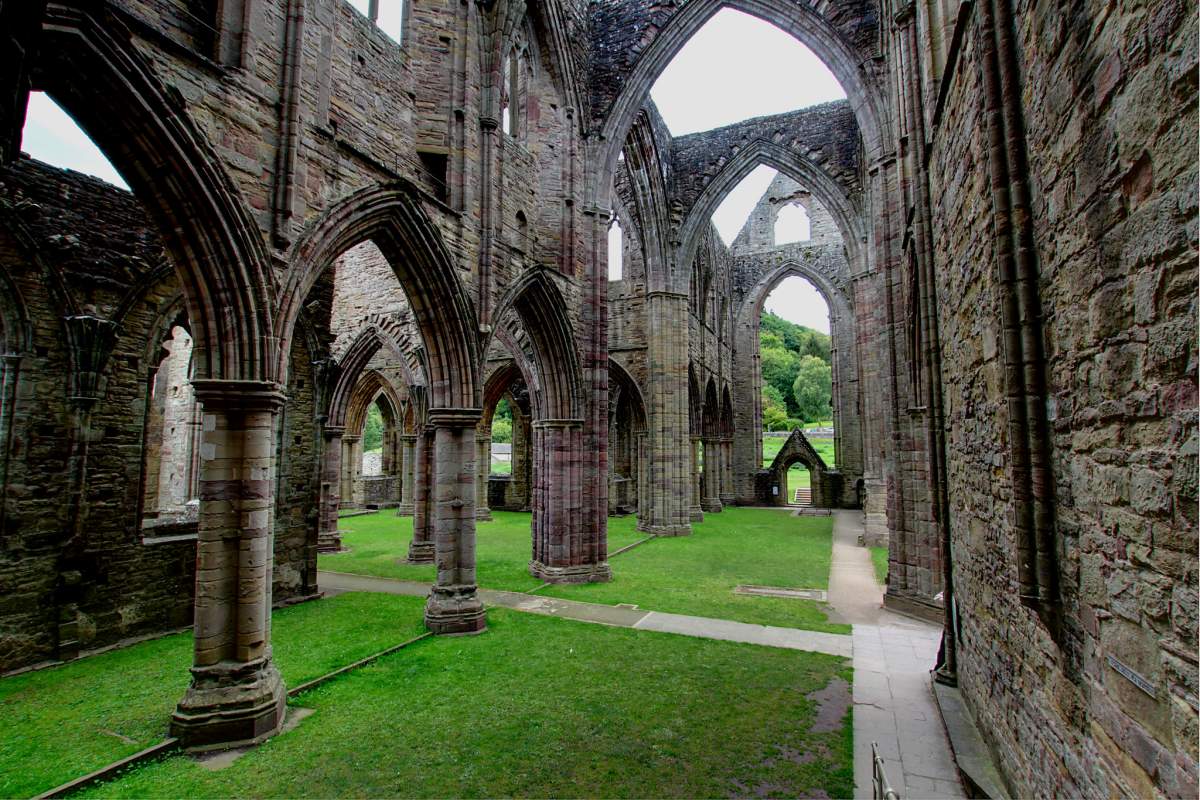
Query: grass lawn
{"x": 879, "y": 557}
{"x": 543, "y": 707}
{"x": 697, "y": 574}
{"x": 63, "y": 722}
{"x": 502, "y": 548}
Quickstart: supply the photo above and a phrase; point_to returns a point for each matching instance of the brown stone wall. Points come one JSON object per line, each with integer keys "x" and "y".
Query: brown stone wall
{"x": 1113, "y": 182}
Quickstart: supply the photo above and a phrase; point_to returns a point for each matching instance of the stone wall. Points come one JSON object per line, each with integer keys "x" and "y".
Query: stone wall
{"x": 1109, "y": 107}
{"x": 82, "y": 574}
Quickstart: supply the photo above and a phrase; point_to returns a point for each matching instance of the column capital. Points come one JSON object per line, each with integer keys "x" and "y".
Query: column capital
{"x": 223, "y": 395}
{"x": 351, "y": 439}
{"x": 407, "y": 438}
{"x": 454, "y": 417}
{"x": 332, "y": 431}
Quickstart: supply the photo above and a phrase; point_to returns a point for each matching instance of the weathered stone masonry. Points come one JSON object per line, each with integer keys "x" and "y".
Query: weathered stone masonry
{"x": 1005, "y": 226}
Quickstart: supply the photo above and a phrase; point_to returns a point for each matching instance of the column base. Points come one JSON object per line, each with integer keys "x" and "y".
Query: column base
{"x": 329, "y": 542}
{"x": 728, "y": 500}
{"x": 404, "y": 510}
{"x": 582, "y": 573}
{"x": 420, "y": 552}
{"x": 711, "y": 505}
{"x": 455, "y": 610}
{"x": 696, "y": 514}
{"x": 483, "y": 514}
{"x": 230, "y": 704}
{"x": 668, "y": 530}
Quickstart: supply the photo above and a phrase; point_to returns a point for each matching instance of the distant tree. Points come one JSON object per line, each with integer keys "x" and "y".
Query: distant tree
{"x": 813, "y": 389}
{"x": 372, "y": 438}
{"x": 774, "y": 412}
{"x": 502, "y": 422}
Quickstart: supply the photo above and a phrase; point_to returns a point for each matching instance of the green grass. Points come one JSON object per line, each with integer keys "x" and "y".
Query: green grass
{"x": 501, "y": 467}
{"x": 63, "y": 722}
{"x": 503, "y": 547}
{"x": 543, "y": 707}
{"x": 697, "y": 574}
{"x": 879, "y": 557}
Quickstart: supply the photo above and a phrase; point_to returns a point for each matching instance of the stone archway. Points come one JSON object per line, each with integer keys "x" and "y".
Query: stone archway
{"x": 747, "y": 408}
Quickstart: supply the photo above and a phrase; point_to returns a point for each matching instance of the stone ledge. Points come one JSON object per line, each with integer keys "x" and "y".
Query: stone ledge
{"x": 971, "y": 754}
{"x": 910, "y": 607}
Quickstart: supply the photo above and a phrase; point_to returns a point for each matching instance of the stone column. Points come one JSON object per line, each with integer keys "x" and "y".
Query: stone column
{"x": 695, "y": 509}
{"x": 408, "y": 458}
{"x": 561, "y": 550}
{"x": 454, "y": 605}
{"x": 329, "y": 540}
{"x": 236, "y": 695}
{"x": 668, "y": 499}
{"x": 641, "y": 474}
{"x": 484, "y": 471}
{"x": 353, "y": 471}
{"x": 522, "y": 443}
{"x": 421, "y": 550}
{"x": 711, "y": 499}
{"x": 727, "y": 492}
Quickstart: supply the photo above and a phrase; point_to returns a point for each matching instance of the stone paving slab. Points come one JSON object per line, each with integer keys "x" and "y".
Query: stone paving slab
{"x": 703, "y": 627}
{"x": 833, "y": 644}
{"x": 893, "y": 701}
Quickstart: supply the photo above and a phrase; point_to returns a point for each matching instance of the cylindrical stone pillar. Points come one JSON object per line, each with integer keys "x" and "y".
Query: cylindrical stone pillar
{"x": 236, "y": 695}
{"x": 408, "y": 458}
{"x": 711, "y": 499}
{"x": 695, "y": 510}
{"x": 484, "y": 462}
{"x": 329, "y": 539}
{"x": 727, "y": 492}
{"x": 454, "y": 605}
{"x": 667, "y": 507}
{"x": 421, "y": 549}
{"x": 561, "y": 550}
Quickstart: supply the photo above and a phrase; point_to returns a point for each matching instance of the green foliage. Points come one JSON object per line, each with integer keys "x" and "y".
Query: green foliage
{"x": 373, "y": 429}
{"x": 879, "y": 558}
{"x": 502, "y": 422}
{"x": 783, "y": 346}
{"x": 502, "y": 430}
{"x": 774, "y": 411}
{"x": 813, "y": 388}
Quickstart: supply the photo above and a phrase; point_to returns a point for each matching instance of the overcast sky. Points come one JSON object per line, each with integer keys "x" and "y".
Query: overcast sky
{"x": 52, "y": 136}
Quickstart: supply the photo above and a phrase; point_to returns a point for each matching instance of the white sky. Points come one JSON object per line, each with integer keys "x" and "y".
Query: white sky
{"x": 796, "y": 300}
{"x": 736, "y": 67}
{"x": 52, "y": 136}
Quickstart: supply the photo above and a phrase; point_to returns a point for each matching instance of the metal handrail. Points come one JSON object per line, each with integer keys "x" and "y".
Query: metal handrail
{"x": 881, "y": 788}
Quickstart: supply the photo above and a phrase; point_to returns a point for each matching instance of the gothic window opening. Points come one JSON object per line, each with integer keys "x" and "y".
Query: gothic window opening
{"x": 171, "y": 469}
{"x": 792, "y": 224}
{"x": 616, "y": 252}
{"x": 513, "y": 92}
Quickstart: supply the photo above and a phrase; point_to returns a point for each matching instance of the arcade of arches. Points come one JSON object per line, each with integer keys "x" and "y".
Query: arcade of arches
{"x": 325, "y": 221}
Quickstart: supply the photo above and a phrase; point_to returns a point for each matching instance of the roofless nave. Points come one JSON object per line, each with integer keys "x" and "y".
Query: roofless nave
{"x": 327, "y": 215}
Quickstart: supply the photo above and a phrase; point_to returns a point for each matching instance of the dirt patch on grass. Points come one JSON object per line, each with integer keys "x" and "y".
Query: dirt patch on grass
{"x": 832, "y": 703}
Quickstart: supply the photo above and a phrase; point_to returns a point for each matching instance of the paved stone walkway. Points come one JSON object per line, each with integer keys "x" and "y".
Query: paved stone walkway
{"x": 893, "y": 701}
{"x": 622, "y": 616}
